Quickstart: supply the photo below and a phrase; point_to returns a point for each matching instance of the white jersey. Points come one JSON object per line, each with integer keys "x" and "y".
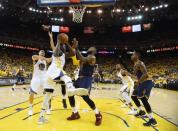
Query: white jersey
{"x": 39, "y": 68}
{"x": 56, "y": 68}
{"x": 39, "y": 73}
{"x": 58, "y": 61}
{"x": 126, "y": 80}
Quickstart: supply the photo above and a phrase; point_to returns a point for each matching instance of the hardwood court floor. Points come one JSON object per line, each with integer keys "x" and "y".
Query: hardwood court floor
{"x": 114, "y": 118}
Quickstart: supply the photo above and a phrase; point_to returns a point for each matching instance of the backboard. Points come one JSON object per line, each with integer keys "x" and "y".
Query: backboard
{"x": 71, "y": 2}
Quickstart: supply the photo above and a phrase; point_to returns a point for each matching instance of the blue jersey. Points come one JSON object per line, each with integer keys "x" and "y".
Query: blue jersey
{"x": 139, "y": 74}
{"x": 86, "y": 70}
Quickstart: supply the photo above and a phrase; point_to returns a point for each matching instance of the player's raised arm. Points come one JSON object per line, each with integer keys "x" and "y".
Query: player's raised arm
{"x": 57, "y": 52}
{"x": 90, "y": 59}
{"x": 51, "y": 40}
{"x": 71, "y": 49}
{"x": 80, "y": 56}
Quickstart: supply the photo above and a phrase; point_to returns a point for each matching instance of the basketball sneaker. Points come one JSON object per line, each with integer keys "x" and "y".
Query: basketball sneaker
{"x": 151, "y": 122}
{"x": 140, "y": 113}
{"x": 42, "y": 120}
{"x": 74, "y": 116}
{"x": 98, "y": 119}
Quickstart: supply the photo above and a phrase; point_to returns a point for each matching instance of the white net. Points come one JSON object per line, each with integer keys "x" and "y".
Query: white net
{"x": 78, "y": 12}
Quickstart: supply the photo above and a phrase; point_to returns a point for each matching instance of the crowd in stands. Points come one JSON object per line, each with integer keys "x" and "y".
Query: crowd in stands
{"x": 11, "y": 60}
{"x": 162, "y": 70}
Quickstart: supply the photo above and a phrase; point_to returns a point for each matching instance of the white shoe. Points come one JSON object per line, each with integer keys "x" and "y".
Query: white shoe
{"x": 124, "y": 106}
{"x": 42, "y": 120}
{"x": 48, "y": 112}
{"x": 132, "y": 112}
{"x": 30, "y": 112}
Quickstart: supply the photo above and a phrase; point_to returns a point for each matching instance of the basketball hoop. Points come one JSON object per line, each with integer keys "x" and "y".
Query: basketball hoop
{"x": 78, "y": 12}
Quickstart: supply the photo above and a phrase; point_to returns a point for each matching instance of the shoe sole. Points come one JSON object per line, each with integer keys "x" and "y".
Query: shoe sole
{"x": 73, "y": 119}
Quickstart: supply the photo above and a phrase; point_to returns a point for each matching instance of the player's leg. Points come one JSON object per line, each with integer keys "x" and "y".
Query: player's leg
{"x": 23, "y": 83}
{"x": 15, "y": 84}
{"x": 64, "y": 95}
{"x": 86, "y": 83}
{"x": 45, "y": 105}
{"x": 34, "y": 86}
{"x": 129, "y": 103}
{"x": 91, "y": 104}
{"x": 144, "y": 95}
{"x": 137, "y": 103}
{"x": 31, "y": 98}
{"x": 124, "y": 95}
{"x": 75, "y": 115}
{"x": 48, "y": 91}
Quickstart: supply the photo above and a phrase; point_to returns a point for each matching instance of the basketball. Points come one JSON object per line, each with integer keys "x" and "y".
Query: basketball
{"x": 63, "y": 38}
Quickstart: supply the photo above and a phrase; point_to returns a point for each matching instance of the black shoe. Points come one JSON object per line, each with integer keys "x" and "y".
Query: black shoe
{"x": 64, "y": 103}
{"x": 151, "y": 122}
{"x": 140, "y": 113}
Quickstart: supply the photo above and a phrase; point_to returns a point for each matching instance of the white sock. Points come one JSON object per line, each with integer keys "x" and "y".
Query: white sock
{"x": 96, "y": 111}
{"x": 74, "y": 109}
{"x": 150, "y": 115}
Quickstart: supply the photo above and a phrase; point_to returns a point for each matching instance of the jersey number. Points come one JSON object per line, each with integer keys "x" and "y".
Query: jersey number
{"x": 42, "y": 66}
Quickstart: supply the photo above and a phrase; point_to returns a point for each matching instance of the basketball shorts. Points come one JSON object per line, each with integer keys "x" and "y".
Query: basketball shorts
{"x": 84, "y": 82}
{"x": 37, "y": 83}
{"x": 20, "y": 79}
{"x": 143, "y": 89}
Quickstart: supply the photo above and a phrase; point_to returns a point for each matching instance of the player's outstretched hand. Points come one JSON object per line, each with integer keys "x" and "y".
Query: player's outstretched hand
{"x": 75, "y": 43}
{"x": 50, "y": 34}
{"x": 46, "y": 27}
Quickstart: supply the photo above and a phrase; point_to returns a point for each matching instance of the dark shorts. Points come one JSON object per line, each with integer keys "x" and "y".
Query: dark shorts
{"x": 144, "y": 89}
{"x": 84, "y": 82}
{"x": 20, "y": 79}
